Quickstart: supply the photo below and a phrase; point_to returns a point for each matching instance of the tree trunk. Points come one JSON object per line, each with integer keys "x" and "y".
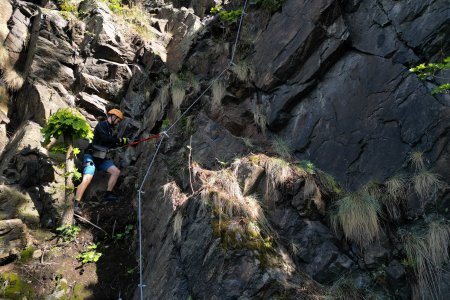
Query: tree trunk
{"x": 67, "y": 218}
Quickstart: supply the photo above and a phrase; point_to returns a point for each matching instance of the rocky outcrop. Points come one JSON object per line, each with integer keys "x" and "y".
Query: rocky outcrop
{"x": 13, "y": 238}
{"x": 26, "y": 163}
{"x": 335, "y": 85}
{"x": 215, "y": 252}
{"x": 328, "y": 77}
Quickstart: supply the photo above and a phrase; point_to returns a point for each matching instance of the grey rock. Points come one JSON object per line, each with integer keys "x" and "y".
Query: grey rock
{"x": 375, "y": 255}
{"x": 36, "y": 101}
{"x": 93, "y": 104}
{"x": 182, "y": 24}
{"x": 14, "y": 238}
{"x": 395, "y": 270}
{"x": 16, "y": 204}
{"x": 212, "y": 142}
{"x": 358, "y": 129}
{"x": 312, "y": 39}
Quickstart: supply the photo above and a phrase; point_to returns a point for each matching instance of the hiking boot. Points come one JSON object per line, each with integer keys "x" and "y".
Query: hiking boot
{"x": 110, "y": 197}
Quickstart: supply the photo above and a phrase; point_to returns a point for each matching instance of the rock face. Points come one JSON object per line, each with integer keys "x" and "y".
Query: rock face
{"x": 329, "y": 78}
{"x": 210, "y": 261}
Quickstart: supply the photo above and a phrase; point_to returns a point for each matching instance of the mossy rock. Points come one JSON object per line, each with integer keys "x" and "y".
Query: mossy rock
{"x": 14, "y": 287}
{"x": 80, "y": 292}
{"x": 27, "y": 254}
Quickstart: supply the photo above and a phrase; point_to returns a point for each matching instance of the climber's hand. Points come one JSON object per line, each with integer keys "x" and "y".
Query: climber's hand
{"x": 124, "y": 141}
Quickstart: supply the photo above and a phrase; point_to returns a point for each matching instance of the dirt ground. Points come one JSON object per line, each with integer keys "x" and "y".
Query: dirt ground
{"x": 55, "y": 270}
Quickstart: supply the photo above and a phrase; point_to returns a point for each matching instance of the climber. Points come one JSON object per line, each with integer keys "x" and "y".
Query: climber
{"x": 95, "y": 156}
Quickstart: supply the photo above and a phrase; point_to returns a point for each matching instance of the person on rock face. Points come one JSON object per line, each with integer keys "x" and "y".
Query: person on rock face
{"x": 95, "y": 156}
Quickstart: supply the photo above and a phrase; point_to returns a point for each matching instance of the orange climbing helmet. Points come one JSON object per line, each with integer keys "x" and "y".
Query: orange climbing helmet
{"x": 116, "y": 112}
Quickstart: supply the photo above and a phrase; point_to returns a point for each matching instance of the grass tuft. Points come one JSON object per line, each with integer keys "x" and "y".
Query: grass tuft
{"x": 357, "y": 215}
{"x": 4, "y": 57}
{"x": 177, "y": 224}
{"x": 426, "y": 184}
{"x": 282, "y": 148}
{"x": 345, "y": 289}
{"x": 239, "y": 221}
{"x": 12, "y": 79}
{"x": 438, "y": 239}
{"x": 418, "y": 256}
{"x": 177, "y": 90}
{"x": 427, "y": 252}
{"x": 259, "y": 117}
{"x": 278, "y": 172}
{"x": 218, "y": 91}
{"x": 244, "y": 71}
{"x": 417, "y": 160}
{"x": 396, "y": 188}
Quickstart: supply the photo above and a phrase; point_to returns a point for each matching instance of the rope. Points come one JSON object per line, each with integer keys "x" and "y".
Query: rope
{"x": 141, "y": 286}
{"x": 238, "y": 33}
{"x": 164, "y": 134}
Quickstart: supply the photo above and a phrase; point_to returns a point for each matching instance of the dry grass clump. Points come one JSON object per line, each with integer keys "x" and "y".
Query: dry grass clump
{"x": 4, "y": 96}
{"x": 244, "y": 70}
{"x": 357, "y": 215}
{"x": 438, "y": 238}
{"x": 12, "y": 78}
{"x": 134, "y": 17}
{"x": 259, "y": 116}
{"x": 177, "y": 224}
{"x": 240, "y": 221}
{"x": 426, "y": 184}
{"x": 180, "y": 84}
{"x": 139, "y": 20}
{"x": 4, "y": 56}
{"x": 395, "y": 193}
{"x": 6, "y": 9}
{"x": 178, "y": 91}
{"x": 396, "y": 187}
{"x": 218, "y": 91}
{"x": 344, "y": 289}
{"x": 11, "y": 197}
{"x": 426, "y": 252}
{"x": 278, "y": 172}
{"x": 417, "y": 160}
{"x": 282, "y": 148}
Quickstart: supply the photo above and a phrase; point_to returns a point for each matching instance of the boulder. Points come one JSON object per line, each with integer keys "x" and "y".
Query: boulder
{"x": 182, "y": 26}
{"x": 93, "y": 104}
{"x": 36, "y": 101}
{"x": 26, "y": 163}
{"x": 15, "y": 204}
{"x": 13, "y": 238}
{"x": 248, "y": 176}
{"x": 104, "y": 40}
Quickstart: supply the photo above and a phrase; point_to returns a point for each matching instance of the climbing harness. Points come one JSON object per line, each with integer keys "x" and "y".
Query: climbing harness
{"x": 99, "y": 151}
{"x": 163, "y": 135}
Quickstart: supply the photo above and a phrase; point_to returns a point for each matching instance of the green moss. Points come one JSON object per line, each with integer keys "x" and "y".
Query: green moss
{"x": 13, "y": 287}
{"x": 80, "y": 292}
{"x": 244, "y": 237}
{"x": 254, "y": 159}
{"x": 27, "y": 254}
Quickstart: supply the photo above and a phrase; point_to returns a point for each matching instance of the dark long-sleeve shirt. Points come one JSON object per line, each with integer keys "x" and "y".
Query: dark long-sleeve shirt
{"x": 103, "y": 135}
